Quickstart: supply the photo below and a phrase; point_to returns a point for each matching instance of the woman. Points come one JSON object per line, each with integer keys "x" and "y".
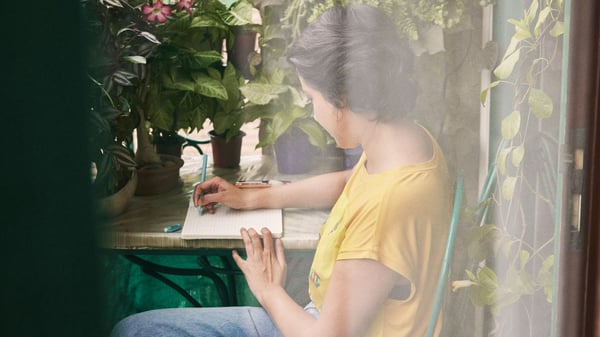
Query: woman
{"x": 380, "y": 251}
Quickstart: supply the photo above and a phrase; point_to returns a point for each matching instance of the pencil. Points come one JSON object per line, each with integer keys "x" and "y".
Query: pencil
{"x": 203, "y": 178}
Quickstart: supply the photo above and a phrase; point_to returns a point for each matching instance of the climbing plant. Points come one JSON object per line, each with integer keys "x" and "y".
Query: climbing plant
{"x": 512, "y": 249}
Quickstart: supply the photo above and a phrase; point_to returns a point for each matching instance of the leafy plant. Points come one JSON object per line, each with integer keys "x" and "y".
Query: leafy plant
{"x": 164, "y": 65}
{"x": 112, "y": 159}
{"x": 411, "y": 17}
{"x": 284, "y": 21}
{"x": 511, "y": 262}
{"x": 274, "y": 94}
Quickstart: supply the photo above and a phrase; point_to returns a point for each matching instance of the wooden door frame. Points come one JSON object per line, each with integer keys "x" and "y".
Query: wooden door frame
{"x": 586, "y": 30}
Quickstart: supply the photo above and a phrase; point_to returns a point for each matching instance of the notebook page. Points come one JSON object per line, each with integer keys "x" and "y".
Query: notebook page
{"x": 226, "y": 222}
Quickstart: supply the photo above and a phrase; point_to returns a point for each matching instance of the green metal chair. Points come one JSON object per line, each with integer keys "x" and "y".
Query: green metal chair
{"x": 443, "y": 279}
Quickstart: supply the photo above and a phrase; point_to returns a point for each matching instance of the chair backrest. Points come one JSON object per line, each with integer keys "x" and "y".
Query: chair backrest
{"x": 443, "y": 279}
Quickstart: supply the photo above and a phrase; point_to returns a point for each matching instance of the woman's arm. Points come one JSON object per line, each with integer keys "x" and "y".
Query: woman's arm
{"x": 315, "y": 192}
{"x": 357, "y": 290}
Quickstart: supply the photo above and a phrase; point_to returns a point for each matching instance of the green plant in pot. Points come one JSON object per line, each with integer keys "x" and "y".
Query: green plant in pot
{"x": 114, "y": 177}
{"x": 190, "y": 81}
{"x": 283, "y": 21}
{"x": 275, "y": 95}
{"x": 165, "y": 64}
{"x": 289, "y": 120}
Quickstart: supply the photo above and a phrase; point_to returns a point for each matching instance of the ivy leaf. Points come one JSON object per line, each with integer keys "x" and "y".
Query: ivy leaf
{"x": 524, "y": 258}
{"x": 508, "y": 187}
{"x": 485, "y": 292}
{"x": 517, "y": 155}
{"x": 541, "y": 20}
{"x": 506, "y": 246}
{"x": 531, "y": 12}
{"x": 512, "y": 46}
{"x": 501, "y": 160}
{"x": 506, "y": 67}
{"x": 484, "y": 92}
{"x": 521, "y": 29}
{"x": 544, "y": 277}
{"x": 558, "y": 29}
{"x": 511, "y": 125}
{"x": 540, "y": 104}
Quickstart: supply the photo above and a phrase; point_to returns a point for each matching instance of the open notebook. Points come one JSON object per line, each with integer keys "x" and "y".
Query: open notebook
{"x": 226, "y": 222}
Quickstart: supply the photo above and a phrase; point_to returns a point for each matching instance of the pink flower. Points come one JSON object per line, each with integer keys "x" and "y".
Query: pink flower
{"x": 157, "y": 12}
{"x": 185, "y": 4}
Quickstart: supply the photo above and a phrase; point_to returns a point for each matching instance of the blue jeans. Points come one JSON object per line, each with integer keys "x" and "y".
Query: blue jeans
{"x": 200, "y": 322}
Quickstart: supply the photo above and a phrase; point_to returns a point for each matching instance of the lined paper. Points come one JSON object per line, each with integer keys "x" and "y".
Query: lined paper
{"x": 226, "y": 222}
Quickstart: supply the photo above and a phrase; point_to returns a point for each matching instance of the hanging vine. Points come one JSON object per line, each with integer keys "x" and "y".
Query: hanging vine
{"x": 525, "y": 267}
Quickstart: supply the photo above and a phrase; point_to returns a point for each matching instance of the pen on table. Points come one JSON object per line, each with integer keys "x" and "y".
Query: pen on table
{"x": 259, "y": 183}
{"x": 203, "y": 178}
{"x": 252, "y": 183}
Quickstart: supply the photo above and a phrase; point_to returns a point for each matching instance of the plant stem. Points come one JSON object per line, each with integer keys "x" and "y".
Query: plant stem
{"x": 145, "y": 154}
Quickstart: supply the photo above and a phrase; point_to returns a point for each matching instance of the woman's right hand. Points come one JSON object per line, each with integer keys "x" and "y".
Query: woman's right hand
{"x": 219, "y": 191}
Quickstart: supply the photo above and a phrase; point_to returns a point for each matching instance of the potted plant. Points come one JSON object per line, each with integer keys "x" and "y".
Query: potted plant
{"x": 275, "y": 86}
{"x": 164, "y": 64}
{"x": 113, "y": 166}
{"x": 295, "y": 135}
{"x": 274, "y": 94}
{"x": 194, "y": 82}
{"x": 114, "y": 177}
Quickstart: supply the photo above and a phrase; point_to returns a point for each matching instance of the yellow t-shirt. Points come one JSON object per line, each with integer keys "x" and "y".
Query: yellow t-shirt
{"x": 399, "y": 218}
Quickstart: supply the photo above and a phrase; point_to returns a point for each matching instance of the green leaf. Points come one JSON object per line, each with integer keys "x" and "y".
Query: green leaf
{"x": 511, "y": 125}
{"x": 207, "y": 21}
{"x": 487, "y": 284}
{"x": 501, "y": 160}
{"x": 481, "y": 241}
{"x": 524, "y": 258}
{"x": 506, "y": 246}
{"x": 506, "y": 67}
{"x": 530, "y": 72}
{"x": 135, "y": 59}
{"x": 531, "y": 11}
{"x": 175, "y": 82}
{"x": 508, "y": 187}
{"x": 262, "y": 93}
{"x": 558, "y": 29}
{"x": 540, "y": 104}
{"x": 517, "y": 155}
{"x": 512, "y": 46}
{"x": 239, "y": 15}
{"x": 545, "y": 277}
{"x": 200, "y": 60}
{"x": 544, "y": 13}
{"x": 316, "y": 135}
{"x": 484, "y": 92}
{"x": 521, "y": 29}
{"x": 208, "y": 86}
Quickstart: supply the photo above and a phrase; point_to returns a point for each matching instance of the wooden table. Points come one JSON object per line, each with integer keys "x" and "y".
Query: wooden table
{"x": 140, "y": 229}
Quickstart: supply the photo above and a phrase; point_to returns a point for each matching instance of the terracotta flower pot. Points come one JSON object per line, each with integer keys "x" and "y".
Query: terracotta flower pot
{"x": 152, "y": 181}
{"x": 226, "y": 154}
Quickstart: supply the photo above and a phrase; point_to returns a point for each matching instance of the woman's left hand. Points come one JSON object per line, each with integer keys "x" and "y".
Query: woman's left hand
{"x": 264, "y": 266}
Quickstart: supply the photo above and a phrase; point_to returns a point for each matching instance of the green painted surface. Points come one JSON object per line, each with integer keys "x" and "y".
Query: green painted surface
{"x": 129, "y": 290}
